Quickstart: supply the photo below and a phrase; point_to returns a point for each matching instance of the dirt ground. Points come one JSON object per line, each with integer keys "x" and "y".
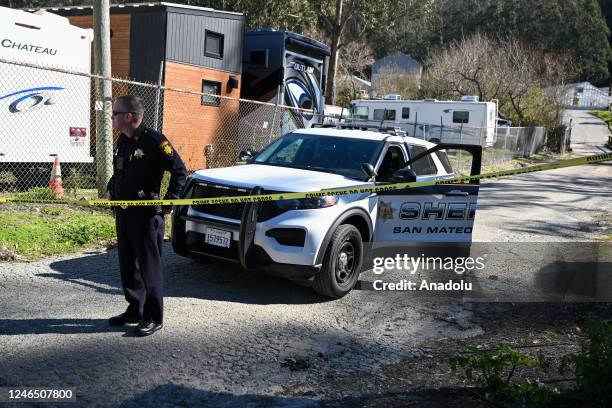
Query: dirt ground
{"x": 544, "y": 331}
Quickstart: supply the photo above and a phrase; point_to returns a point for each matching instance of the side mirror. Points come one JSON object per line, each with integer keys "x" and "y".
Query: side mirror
{"x": 404, "y": 175}
{"x": 246, "y": 155}
{"x": 368, "y": 169}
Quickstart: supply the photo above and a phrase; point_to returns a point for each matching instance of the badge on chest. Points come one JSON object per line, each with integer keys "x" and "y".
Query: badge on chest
{"x": 138, "y": 154}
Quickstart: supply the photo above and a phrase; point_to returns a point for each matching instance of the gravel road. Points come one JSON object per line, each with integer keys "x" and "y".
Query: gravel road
{"x": 229, "y": 336}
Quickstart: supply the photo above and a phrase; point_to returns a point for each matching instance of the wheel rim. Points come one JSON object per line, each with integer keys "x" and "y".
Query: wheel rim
{"x": 345, "y": 262}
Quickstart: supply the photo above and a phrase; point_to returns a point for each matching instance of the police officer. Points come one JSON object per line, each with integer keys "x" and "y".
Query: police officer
{"x": 141, "y": 157}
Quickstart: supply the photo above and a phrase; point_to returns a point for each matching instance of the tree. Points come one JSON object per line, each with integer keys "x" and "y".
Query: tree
{"x": 421, "y": 28}
{"x": 293, "y": 15}
{"x": 355, "y": 59}
{"x": 525, "y": 81}
{"x": 575, "y": 27}
{"x": 395, "y": 80}
{"x": 344, "y": 21}
{"x": 412, "y": 28}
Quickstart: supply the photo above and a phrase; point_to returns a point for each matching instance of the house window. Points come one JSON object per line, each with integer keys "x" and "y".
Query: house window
{"x": 461, "y": 116}
{"x": 405, "y": 113}
{"x": 211, "y": 87}
{"x": 213, "y": 44}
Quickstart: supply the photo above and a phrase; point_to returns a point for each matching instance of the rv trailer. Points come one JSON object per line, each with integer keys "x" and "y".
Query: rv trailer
{"x": 44, "y": 114}
{"x": 467, "y": 121}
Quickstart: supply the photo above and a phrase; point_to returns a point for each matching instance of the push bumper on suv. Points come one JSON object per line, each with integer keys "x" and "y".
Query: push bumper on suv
{"x": 189, "y": 233}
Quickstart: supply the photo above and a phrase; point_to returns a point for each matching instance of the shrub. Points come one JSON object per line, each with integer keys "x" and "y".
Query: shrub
{"x": 593, "y": 365}
{"x": 493, "y": 370}
{"x": 8, "y": 177}
{"x": 78, "y": 180}
{"x": 37, "y": 193}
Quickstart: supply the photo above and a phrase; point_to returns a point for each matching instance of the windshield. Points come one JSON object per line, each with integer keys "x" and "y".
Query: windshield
{"x": 337, "y": 155}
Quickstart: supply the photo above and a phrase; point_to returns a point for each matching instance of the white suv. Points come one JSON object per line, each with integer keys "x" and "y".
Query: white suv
{"x": 322, "y": 241}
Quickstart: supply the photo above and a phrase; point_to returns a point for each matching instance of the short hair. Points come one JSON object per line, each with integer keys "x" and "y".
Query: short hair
{"x": 133, "y": 104}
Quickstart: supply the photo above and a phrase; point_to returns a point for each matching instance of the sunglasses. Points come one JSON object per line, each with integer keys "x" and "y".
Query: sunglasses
{"x": 115, "y": 113}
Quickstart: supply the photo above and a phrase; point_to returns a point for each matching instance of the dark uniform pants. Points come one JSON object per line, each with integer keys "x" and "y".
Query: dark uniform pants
{"x": 140, "y": 236}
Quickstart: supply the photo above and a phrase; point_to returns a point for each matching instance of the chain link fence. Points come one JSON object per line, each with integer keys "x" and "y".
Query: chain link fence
{"x": 45, "y": 114}
{"x": 49, "y": 114}
{"x": 501, "y": 144}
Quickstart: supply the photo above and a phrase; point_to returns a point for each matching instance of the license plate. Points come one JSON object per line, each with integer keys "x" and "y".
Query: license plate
{"x": 218, "y": 237}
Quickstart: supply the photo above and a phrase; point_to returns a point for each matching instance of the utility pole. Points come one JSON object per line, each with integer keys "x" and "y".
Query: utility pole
{"x": 104, "y": 95}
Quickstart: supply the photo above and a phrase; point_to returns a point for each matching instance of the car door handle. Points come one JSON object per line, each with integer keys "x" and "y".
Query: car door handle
{"x": 457, "y": 193}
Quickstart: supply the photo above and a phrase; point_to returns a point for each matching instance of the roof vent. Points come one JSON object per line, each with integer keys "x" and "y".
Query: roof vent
{"x": 469, "y": 98}
{"x": 392, "y": 97}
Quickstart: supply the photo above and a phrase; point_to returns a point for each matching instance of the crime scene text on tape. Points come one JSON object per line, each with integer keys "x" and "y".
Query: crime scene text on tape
{"x": 335, "y": 192}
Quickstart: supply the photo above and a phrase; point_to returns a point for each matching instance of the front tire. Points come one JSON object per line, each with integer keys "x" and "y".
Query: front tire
{"x": 341, "y": 264}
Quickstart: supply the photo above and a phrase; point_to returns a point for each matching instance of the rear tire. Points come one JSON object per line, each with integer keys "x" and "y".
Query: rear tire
{"x": 341, "y": 264}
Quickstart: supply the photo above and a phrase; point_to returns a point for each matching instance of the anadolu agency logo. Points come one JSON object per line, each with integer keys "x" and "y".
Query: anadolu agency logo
{"x": 29, "y": 99}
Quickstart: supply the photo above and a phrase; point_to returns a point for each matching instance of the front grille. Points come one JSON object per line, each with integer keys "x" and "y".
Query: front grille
{"x": 267, "y": 209}
{"x": 220, "y": 210}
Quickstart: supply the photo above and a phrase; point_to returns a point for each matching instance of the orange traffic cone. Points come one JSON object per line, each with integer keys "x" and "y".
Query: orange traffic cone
{"x": 55, "y": 182}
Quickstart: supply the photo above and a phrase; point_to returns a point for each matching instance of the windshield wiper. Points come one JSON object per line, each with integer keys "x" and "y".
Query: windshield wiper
{"x": 322, "y": 169}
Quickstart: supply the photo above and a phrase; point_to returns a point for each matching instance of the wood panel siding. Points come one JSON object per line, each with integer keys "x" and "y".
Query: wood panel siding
{"x": 120, "y": 41}
{"x": 188, "y": 124}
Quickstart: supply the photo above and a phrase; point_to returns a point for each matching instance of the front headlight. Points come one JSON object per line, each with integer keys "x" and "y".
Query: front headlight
{"x": 307, "y": 203}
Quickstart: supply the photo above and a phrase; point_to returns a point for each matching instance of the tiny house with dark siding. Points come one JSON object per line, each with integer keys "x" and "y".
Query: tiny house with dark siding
{"x": 194, "y": 48}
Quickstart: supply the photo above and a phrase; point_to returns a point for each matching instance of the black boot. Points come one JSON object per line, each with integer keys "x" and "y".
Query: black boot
{"x": 123, "y": 319}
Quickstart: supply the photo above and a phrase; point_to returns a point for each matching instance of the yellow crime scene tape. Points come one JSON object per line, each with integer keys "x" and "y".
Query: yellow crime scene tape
{"x": 340, "y": 191}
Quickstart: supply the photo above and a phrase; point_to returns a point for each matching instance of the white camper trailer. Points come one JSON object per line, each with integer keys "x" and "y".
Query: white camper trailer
{"x": 466, "y": 121}
{"x": 43, "y": 114}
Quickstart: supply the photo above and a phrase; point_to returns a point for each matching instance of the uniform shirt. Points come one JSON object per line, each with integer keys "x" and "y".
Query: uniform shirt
{"x": 139, "y": 163}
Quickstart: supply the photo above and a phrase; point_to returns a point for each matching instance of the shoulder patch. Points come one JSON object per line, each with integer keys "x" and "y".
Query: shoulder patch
{"x": 166, "y": 148}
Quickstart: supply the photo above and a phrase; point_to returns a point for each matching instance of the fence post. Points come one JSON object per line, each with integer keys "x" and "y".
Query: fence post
{"x": 158, "y": 95}
{"x": 506, "y": 156}
{"x": 416, "y": 118}
{"x": 104, "y": 95}
{"x": 460, "y": 151}
{"x": 274, "y": 116}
